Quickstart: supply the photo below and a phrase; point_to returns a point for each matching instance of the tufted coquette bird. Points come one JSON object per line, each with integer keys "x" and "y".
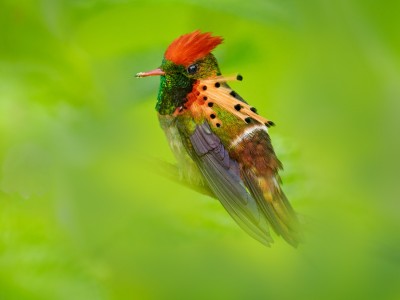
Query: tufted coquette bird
{"x": 219, "y": 140}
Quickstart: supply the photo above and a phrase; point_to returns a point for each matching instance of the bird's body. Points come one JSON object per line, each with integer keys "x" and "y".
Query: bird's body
{"x": 219, "y": 141}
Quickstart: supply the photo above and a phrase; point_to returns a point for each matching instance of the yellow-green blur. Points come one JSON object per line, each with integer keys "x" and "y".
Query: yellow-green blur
{"x": 87, "y": 206}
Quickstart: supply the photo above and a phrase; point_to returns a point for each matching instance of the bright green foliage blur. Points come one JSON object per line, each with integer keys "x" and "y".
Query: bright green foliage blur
{"x": 86, "y": 211}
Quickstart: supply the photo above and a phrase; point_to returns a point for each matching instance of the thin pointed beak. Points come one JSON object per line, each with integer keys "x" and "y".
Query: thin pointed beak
{"x": 156, "y": 72}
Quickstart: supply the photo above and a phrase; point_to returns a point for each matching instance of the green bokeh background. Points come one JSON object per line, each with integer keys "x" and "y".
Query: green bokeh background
{"x": 87, "y": 213}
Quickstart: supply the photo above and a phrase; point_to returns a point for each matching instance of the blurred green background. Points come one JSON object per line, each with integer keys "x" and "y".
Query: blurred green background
{"x": 85, "y": 211}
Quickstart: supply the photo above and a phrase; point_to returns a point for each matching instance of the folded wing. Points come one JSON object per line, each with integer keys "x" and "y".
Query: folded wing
{"x": 222, "y": 174}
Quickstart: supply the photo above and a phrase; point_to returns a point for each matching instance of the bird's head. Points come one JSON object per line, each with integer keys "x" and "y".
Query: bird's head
{"x": 186, "y": 60}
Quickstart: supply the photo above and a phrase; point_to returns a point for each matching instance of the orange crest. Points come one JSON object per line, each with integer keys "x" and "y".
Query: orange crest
{"x": 190, "y": 47}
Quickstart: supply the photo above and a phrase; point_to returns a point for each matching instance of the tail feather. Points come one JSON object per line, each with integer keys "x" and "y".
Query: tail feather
{"x": 274, "y": 205}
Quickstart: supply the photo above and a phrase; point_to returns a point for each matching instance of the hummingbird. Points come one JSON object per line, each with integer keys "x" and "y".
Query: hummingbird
{"x": 220, "y": 142}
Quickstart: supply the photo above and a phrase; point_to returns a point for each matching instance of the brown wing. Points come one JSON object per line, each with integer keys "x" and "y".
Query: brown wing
{"x": 259, "y": 168}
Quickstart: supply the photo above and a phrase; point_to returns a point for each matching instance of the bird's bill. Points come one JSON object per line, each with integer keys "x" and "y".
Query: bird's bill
{"x": 156, "y": 72}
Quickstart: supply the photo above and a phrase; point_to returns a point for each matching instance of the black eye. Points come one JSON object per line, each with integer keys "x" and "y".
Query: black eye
{"x": 192, "y": 69}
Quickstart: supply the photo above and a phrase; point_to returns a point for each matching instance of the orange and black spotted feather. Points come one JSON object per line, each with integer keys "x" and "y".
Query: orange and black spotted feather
{"x": 243, "y": 173}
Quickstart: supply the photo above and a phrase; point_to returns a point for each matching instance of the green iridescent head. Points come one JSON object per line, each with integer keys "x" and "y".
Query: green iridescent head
{"x": 186, "y": 60}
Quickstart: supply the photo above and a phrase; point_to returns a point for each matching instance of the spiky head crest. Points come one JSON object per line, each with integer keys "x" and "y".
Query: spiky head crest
{"x": 190, "y": 47}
